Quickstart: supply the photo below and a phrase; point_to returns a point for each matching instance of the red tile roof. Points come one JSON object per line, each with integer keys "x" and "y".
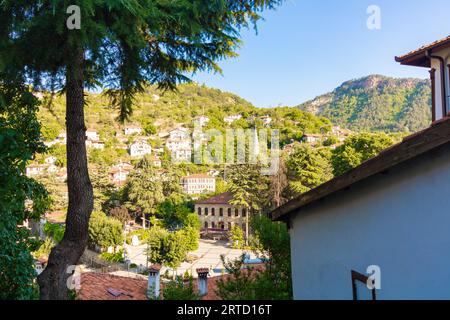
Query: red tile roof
{"x": 198, "y": 176}
{"x": 223, "y": 198}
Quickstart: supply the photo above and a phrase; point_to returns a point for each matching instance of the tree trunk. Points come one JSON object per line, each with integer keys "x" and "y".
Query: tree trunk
{"x": 53, "y": 281}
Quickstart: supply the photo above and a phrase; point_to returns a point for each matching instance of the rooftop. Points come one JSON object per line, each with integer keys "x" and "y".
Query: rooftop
{"x": 418, "y": 57}
{"x": 223, "y": 198}
{"x": 411, "y": 147}
{"x": 198, "y": 176}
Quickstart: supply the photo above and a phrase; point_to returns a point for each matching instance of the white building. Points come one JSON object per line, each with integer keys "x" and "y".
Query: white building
{"x": 92, "y": 135}
{"x": 312, "y": 138}
{"x": 181, "y": 155}
{"x": 99, "y": 145}
{"x": 233, "y": 118}
{"x": 267, "y": 120}
{"x": 50, "y": 160}
{"x": 140, "y": 148}
{"x": 198, "y": 184}
{"x": 35, "y": 170}
{"x": 132, "y": 130}
{"x": 386, "y": 220}
{"x": 156, "y": 161}
{"x": 179, "y": 134}
{"x": 119, "y": 173}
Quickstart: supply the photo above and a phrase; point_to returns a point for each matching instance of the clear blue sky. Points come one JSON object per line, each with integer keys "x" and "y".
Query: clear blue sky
{"x": 308, "y": 47}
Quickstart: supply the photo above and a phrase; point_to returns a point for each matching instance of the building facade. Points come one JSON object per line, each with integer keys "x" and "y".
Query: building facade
{"x": 140, "y": 149}
{"x": 217, "y": 213}
{"x": 198, "y": 184}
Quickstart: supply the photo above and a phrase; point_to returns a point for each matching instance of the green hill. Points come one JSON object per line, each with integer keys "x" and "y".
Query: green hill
{"x": 376, "y": 103}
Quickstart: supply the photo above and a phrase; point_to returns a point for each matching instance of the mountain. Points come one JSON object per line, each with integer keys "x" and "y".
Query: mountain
{"x": 376, "y": 103}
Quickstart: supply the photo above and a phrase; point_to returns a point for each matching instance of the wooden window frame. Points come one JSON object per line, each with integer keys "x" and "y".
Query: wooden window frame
{"x": 433, "y": 94}
{"x": 358, "y": 277}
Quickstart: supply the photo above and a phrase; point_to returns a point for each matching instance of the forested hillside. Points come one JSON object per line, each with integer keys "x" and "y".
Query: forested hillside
{"x": 376, "y": 103}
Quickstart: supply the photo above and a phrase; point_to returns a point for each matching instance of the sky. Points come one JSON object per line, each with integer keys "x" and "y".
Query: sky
{"x": 306, "y": 48}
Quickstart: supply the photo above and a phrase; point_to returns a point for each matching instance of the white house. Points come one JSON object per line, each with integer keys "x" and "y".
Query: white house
{"x": 35, "y": 170}
{"x": 50, "y": 160}
{"x": 179, "y": 134}
{"x": 92, "y": 135}
{"x": 381, "y": 230}
{"x": 233, "y": 118}
{"x": 267, "y": 120}
{"x": 181, "y": 155}
{"x": 132, "y": 130}
{"x": 119, "y": 173}
{"x": 156, "y": 161}
{"x": 311, "y": 138}
{"x": 140, "y": 148}
{"x": 100, "y": 145}
{"x": 198, "y": 184}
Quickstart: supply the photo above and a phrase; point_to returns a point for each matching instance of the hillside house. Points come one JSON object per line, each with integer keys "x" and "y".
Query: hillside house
{"x": 390, "y": 215}
{"x": 217, "y": 214}
{"x": 140, "y": 148}
{"x": 99, "y": 145}
{"x": 119, "y": 173}
{"x": 36, "y": 170}
{"x": 156, "y": 161}
{"x": 92, "y": 135}
{"x": 267, "y": 120}
{"x": 230, "y": 119}
{"x": 198, "y": 184}
{"x": 50, "y": 160}
{"x": 132, "y": 130}
{"x": 312, "y": 138}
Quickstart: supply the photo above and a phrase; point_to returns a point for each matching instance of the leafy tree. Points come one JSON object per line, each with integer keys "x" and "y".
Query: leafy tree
{"x": 180, "y": 290}
{"x": 105, "y": 232}
{"x": 239, "y": 285}
{"x": 120, "y": 213}
{"x": 357, "y": 149}
{"x": 177, "y": 215}
{"x": 21, "y": 198}
{"x": 308, "y": 168}
{"x": 144, "y": 190}
{"x": 274, "y": 282}
{"x": 237, "y": 237}
{"x": 248, "y": 187}
{"x": 55, "y": 231}
{"x": 121, "y": 45}
{"x": 175, "y": 248}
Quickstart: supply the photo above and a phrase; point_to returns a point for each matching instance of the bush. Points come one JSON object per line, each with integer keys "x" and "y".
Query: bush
{"x": 180, "y": 290}
{"x": 55, "y": 231}
{"x": 237, "y": 238}
{"x": 120, "y": 213}
{"x": 105, "y": 232}
{"x": 113, "y": 257}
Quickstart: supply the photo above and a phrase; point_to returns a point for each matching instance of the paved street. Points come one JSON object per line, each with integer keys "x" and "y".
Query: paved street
{"x": 208, "y": 253}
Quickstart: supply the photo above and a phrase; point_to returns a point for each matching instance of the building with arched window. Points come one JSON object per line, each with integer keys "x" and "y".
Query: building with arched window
{"x": 218, "y": 215}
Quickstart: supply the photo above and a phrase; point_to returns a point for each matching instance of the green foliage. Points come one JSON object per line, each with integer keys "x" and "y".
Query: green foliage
{"x": 237, "y": 238}
{"x": 330, "y": 141}
{"x": 180, "y": 290}
{"x": 44, "y": 250}
{"x": 240, "y": 284}
{"x": 120, "y": 213}
{"x": 357, "y": 149}
{"x": 113, "y": 257}
{"x": 274, "y": 282}
{"x": 55, "y": 231}
{"x": 377, "y": 103}
{"x": 178, "y": 215}
{"x": 308, "y": 168}
{"x": 104, "y": 231}
{"x": 19, "y": 142}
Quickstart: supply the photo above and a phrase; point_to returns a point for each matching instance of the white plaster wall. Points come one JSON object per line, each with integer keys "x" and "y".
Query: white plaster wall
{"x": 399, "y": 221}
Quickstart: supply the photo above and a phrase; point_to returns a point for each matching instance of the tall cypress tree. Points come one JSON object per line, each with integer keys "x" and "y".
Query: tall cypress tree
{"x": 121, "y": 46}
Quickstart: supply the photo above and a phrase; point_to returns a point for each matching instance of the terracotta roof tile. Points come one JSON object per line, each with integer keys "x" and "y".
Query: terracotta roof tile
{"x": 223, "y": 198}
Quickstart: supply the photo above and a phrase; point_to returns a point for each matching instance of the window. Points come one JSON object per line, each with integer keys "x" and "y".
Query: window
{"x": 229, "y": 212}
{"x": 213, "y": 211}
{"x": 244, "y": 212}
{"x": 206, "y": 224}
{"x": 199, "y": 211}
{"x": 229, "y": 225}
{"x": 221, "y": 212}
{"x": 359, "y": 286}
{"x": 206, "y": 211}
{"x": 236, "y": 212}
{"x": 244, "y": 227}
{"x": 213, "y": 225}
{"x": 222, "y": 225}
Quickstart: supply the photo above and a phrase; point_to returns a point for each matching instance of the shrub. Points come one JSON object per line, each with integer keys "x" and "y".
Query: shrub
{"x": 113, "y": 257}
{"x": 180, "y": 290}
{"x": 237, "y": 238}
{"x": 105, "y": 232}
